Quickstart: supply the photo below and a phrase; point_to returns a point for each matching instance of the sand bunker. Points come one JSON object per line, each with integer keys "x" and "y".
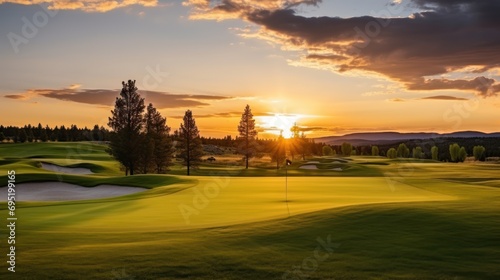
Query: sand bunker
{"x": 58, "y": 191}
{"x": 68, "y": 170}
{"x": 313, "y": 167}
{"x": 308, "y": 166}
{"x": 312, "y": 162}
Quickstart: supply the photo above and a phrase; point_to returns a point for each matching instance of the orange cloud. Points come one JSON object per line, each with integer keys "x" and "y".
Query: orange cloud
{"x": 85, "y": 5}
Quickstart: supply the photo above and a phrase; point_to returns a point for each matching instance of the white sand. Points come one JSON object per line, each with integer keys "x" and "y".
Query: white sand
{"x": 312, "y": 167}
{"x": 58, "y": 191}
{"x": 69, "y": 170}
{"x": 308, "y": 166}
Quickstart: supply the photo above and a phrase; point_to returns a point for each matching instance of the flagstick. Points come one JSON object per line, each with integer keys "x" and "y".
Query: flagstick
{"x": 286, "y": 186}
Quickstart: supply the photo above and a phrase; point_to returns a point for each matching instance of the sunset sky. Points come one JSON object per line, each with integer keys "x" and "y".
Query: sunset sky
{"x": 333, "y": 66}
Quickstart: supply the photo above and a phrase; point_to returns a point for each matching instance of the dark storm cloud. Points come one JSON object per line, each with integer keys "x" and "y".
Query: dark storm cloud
{"x": 418, "y": 51}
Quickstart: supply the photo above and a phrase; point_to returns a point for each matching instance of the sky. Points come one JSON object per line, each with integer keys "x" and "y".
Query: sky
{"x": 332, "y": 67}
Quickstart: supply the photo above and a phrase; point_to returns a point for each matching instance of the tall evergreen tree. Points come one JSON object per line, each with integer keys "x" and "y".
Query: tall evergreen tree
{"x": 190, "y": 143}
{"x": 126, "y": 121}
{"x": 157, "y": 137}
{"x": 247, "y": 131}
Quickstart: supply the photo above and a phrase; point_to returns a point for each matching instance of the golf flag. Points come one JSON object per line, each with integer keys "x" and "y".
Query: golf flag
{"x": 288, "y": 162}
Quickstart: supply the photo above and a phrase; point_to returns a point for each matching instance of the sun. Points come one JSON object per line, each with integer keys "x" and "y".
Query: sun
{"x": 279, "y": 124}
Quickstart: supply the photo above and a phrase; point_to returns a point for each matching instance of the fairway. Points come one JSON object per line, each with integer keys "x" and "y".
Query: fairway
{"x": 225, "y": 201}
{"x": 409, "y": 220}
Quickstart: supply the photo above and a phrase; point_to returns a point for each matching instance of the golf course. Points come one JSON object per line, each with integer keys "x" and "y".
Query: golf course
{"x": 356, "y": 217}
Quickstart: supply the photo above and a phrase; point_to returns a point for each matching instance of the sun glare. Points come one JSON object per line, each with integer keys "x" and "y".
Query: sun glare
{"x": 279, "y": 124}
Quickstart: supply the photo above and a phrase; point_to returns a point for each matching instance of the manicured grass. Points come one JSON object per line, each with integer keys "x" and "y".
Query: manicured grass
{"x": 388, "y": 219}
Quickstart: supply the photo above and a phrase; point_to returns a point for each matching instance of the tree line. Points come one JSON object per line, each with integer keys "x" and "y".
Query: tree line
{"x": 40, "y": 133}
{"x": 454, "y": 153}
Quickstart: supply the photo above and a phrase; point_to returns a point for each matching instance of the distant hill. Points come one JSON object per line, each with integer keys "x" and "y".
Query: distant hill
{"x": 367, "y": 138}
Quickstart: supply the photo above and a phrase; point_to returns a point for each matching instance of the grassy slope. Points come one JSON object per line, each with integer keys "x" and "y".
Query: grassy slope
{"x": 457, "y": 239}
{"x": 143, "y": 236}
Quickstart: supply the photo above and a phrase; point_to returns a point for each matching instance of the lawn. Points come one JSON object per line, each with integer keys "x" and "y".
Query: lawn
{"x": 383, "y": 219}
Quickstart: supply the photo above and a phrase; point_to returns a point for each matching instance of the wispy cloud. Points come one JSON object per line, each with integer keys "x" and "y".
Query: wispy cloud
{"x": 443, "y": 97}
{"x": 416, "y": 51}
{"x": 397, "y": 100}
{"x": 85, "y": 5}
{"x": 106, "y": 97}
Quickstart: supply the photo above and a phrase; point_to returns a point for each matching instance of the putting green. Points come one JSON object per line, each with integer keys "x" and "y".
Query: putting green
{"x": 221, "y": 201}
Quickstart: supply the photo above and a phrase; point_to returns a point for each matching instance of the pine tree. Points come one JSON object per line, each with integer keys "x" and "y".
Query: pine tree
{"x": 43, "y": 135}
{"x": 190, "y": 143}
{"x": 158, "y": 139}
{"x": 247, "y": 131}
{"x": 23, "y": 136}
{"x": 126, "y": 121}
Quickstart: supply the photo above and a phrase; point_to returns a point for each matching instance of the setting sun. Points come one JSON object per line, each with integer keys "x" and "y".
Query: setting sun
{"x": 278, "y": 124}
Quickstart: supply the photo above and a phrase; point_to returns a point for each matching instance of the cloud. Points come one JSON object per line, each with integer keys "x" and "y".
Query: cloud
{"x": 397, "y": 100}
{"x": 420, "y": 52}
{"x": 16, "y": 96}
{"x": 85, "y": 5}
{"x": 215, "y": 115}
{"x": 443, "y": 97}
{"x": 105, "y": 97}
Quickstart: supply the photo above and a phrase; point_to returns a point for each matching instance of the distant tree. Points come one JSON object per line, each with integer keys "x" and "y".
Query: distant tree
{"x": 454, "y": 150}
{"x": 305, "y": 146}
{"x": 435, "y": 153}
{"x": 392, "y": 153}
{"x": 278, "y": 153}
{"x": 327, "y": 150}
{"x": 346, "y": 149}
{"x": 354, "y": 152}
{"x": 247, "y": 133}
{"x": 479, "y": 153}
{"x": 457, "y": 153}
{"x": 375, "y": 151}
{"x": 462, "y": 154}
{"x": 31, "y": 136}
{"x": 43, "y": 135}
{"x": 190, "y": 143}
{"x": 157, "y": 134}
{"x": 417, "y": 152}
{"x": 62, "y": 136}
{"x": 403, "y": 151}
{"x": 96, "y": 133}
{"x": 295, "y": 142}
{"x": 55, "y": 134}
{"x": 23, "y": 136}
{"x": 38, "y": 132}
{"x": 2, "y": 137}
{"x": 126, "y": 121}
